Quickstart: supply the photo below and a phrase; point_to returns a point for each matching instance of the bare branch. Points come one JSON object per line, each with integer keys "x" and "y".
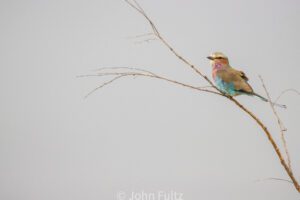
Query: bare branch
{"x": 138, "y": 8}
{"x": 208, "y": 86}
{"x": 272, "y": 141}
{"x": 145, "y": 41}
{"x": 118, "y": 75}
{"x": 127, "y": 68}
{"x": 141, "y": 35}
{"x": 276, "y": 179}
{"x": 156, "y": 32}
{"x": 279, "y": 122}
{"x": 104, "y": 84}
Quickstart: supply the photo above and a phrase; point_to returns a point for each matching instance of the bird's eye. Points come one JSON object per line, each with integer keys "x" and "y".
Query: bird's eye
{"x": 218, "y": 57}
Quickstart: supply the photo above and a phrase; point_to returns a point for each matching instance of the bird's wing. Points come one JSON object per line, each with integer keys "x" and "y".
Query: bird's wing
{"x": 243, "y": 75}
{"x": 238, "y": 78}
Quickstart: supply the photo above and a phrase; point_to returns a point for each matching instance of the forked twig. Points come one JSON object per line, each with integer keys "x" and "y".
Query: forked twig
{"x": 104, "y": 84}
{"x": 118, "y": 75}
{"x": 138, "y": 8}
{"x": 280, "y": 124}
{"x": 126, "y": 68}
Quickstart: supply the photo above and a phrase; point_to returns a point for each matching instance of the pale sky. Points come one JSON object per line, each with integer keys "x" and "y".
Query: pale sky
{"x": 140, "y": 134}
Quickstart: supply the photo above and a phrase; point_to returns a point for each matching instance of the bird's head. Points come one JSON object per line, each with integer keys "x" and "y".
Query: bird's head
{"x": 218, "y": 58}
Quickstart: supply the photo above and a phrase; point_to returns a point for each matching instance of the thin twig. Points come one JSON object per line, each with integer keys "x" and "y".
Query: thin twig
{"x": 145, "y": 41}
{"x": 139, "y": 36}
{"x": 126, "y": 68}
{"x": 104, "y": 84}
{"x": 280, "y": 124}
{"x": 208, "y": 86}
{"x": 124, "y": 74}
{"x": 285, "y": 91}
{"x": 276, "y": 179}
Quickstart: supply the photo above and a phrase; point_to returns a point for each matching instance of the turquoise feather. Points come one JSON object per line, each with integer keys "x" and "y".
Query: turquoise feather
{"x": 227, "y": 88}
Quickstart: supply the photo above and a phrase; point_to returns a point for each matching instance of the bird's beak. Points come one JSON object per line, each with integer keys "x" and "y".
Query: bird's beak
{"x": 210, "y": 58}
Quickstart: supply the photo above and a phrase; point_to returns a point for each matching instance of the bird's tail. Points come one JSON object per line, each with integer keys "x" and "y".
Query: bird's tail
{"x": 266, "y": 100}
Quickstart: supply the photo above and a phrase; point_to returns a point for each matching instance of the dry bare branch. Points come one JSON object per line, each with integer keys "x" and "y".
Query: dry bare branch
{"x": 145, "y": 41}
{"x": 126, "y": 68}
{"x": 104, "y": 84}
{"x": 276, "y": 179}
{"x": 140, "y": 36}
{"x": 279, "y": 122}
{"x": 118, "y": 75}
{"x": 138, "y": 8}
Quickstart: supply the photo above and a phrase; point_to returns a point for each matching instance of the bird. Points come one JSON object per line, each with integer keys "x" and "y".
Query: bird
{"x": 230, "y": 81}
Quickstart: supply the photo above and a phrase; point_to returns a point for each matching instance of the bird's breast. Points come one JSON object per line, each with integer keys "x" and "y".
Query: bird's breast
{"x": 214, "y": 74}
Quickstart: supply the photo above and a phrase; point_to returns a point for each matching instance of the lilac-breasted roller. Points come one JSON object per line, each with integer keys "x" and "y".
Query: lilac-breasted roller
{"x": 230, "y": 81}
